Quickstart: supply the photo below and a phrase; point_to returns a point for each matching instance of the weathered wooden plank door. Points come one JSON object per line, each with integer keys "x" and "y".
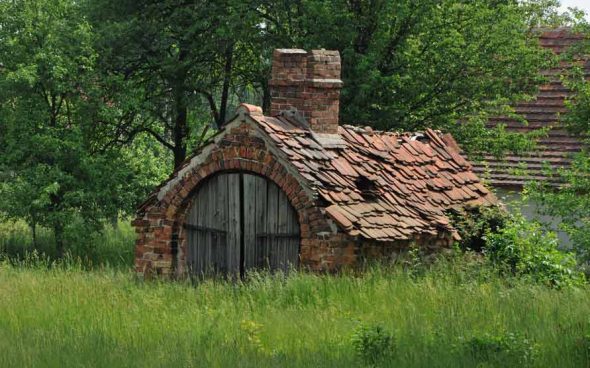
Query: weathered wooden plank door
{"x": 271, "y": 228}
{"x": 211, "y": 228}
{"x": 240, "y": 221}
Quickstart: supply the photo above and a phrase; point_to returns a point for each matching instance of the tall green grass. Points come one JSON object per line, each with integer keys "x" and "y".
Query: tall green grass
{"x": 451, "y": 316}
{"x": 112, "y": 246}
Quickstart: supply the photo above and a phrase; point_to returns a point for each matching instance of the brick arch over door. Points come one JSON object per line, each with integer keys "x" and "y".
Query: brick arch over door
{"x": 177, "y": 202}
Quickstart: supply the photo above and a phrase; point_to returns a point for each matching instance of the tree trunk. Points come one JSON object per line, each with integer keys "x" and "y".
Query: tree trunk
{"x": 34, "y": 234}
{"x": 180, "y": 133}
{"x": 180, "y": 130}
{"x": 229, "y": 55}
{"x": 58, "y": 232}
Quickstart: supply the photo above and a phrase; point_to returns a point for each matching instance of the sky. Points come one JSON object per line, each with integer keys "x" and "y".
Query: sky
{"x": 582, "y": 4}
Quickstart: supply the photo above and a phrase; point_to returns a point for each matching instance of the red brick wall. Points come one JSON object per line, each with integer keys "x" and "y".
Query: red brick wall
{"x": 309, "y": 82}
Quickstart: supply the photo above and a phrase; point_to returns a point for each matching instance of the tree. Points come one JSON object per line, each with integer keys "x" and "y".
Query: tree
{"x": 49, "y": 171}
{"x": 178, "y": 62}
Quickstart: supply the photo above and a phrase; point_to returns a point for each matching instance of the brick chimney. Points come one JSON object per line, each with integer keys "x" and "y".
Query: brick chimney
{"x": 309, "y": 82}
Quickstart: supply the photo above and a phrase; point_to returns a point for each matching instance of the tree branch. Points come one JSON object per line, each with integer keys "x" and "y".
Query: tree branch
{"x": 212, "y": 104}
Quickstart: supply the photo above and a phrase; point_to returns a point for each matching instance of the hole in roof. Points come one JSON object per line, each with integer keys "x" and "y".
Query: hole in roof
{"x": 420, "y": 138}
{"x": 367, "y": 187}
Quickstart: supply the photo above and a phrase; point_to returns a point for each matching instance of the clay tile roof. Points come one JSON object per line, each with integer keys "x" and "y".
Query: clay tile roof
{"x": 381, "y": 185}
{"x": 542, "y": 112}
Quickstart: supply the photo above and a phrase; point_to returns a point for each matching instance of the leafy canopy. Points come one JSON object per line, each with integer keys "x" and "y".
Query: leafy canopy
{"x": 49, "y": 99}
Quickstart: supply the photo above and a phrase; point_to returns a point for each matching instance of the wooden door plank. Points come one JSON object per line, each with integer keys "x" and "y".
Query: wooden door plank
{"x": 292, "y": 244}
{"x": 289, "y": 262}
{"x": 201, "y": 245}
{"x": 205, "y": 237}
{"x": 217, "y": 210}
{"x": 272, "y": 223}
{"x": 191, "y": 237}
{"x": 222, "y": 221}
{"x": 282, "y": 226}
{"x": 234, "y": 230}
{"x": 260, "y": 215}
{"x": 261, "y": 219}
{"x": 249, "y": 220}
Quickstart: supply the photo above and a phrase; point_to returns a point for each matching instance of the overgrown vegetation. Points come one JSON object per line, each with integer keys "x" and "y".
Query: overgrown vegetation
{"x": 457, "y": 314}
{"x": 460, "y": 310}
{"x": 503, "y": 350}
{"x": 525, "y": 249}
{"x": 515, "y": 246}
{"x": 373, "y": 344}
{"x": 473, "y": 223}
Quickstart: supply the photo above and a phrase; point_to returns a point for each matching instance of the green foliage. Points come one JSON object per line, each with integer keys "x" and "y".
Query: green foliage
{"x": 61, "y": 316}
{"x": 577, "y": 119}
{"x": 525, "y": 249}
{"x": 479, "y": 139}
{"x": 51, "y": 171}
{"x": 173, "y": 69}
{"x": 373, "y": 344}
{"x": 502, "y": 350}
{"x": 516, "y": 246}
{"x": 474, "y": 223}
{"x": 571, "y": 201}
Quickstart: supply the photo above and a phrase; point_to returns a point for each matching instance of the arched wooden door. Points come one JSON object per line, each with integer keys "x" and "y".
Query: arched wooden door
{"x": 240, "y": 221}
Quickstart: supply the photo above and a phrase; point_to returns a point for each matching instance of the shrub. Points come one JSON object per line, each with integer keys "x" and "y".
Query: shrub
{"x": 372, "y": 344}
{"x": 502, "y": 349}
{"x": 524, "y": 248}
{"x": 515, "y": 246}
{"x": 475, "y": 222}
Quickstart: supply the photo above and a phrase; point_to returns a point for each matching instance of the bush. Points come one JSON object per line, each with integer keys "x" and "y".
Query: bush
{"x": 523, "y": 248}
{"x": 474, "y": 223}
{"x": 503, "y": 349}
{"x": 372, "y": 344}
{"x": 515, "y": 246}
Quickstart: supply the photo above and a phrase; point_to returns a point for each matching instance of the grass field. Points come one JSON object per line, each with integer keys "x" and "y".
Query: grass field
{"x": 67, "y": 317}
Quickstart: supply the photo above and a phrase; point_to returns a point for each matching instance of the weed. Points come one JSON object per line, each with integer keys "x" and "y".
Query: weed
{"x": 372, "y": 344}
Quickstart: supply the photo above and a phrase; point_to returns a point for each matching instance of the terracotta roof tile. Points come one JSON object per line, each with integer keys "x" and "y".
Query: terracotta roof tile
{"x": 407, "y": 181}
{"x": 339, "y": 216}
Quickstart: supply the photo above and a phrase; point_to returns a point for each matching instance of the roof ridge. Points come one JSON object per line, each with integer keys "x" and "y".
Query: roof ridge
{"x": 368, "y": 129}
